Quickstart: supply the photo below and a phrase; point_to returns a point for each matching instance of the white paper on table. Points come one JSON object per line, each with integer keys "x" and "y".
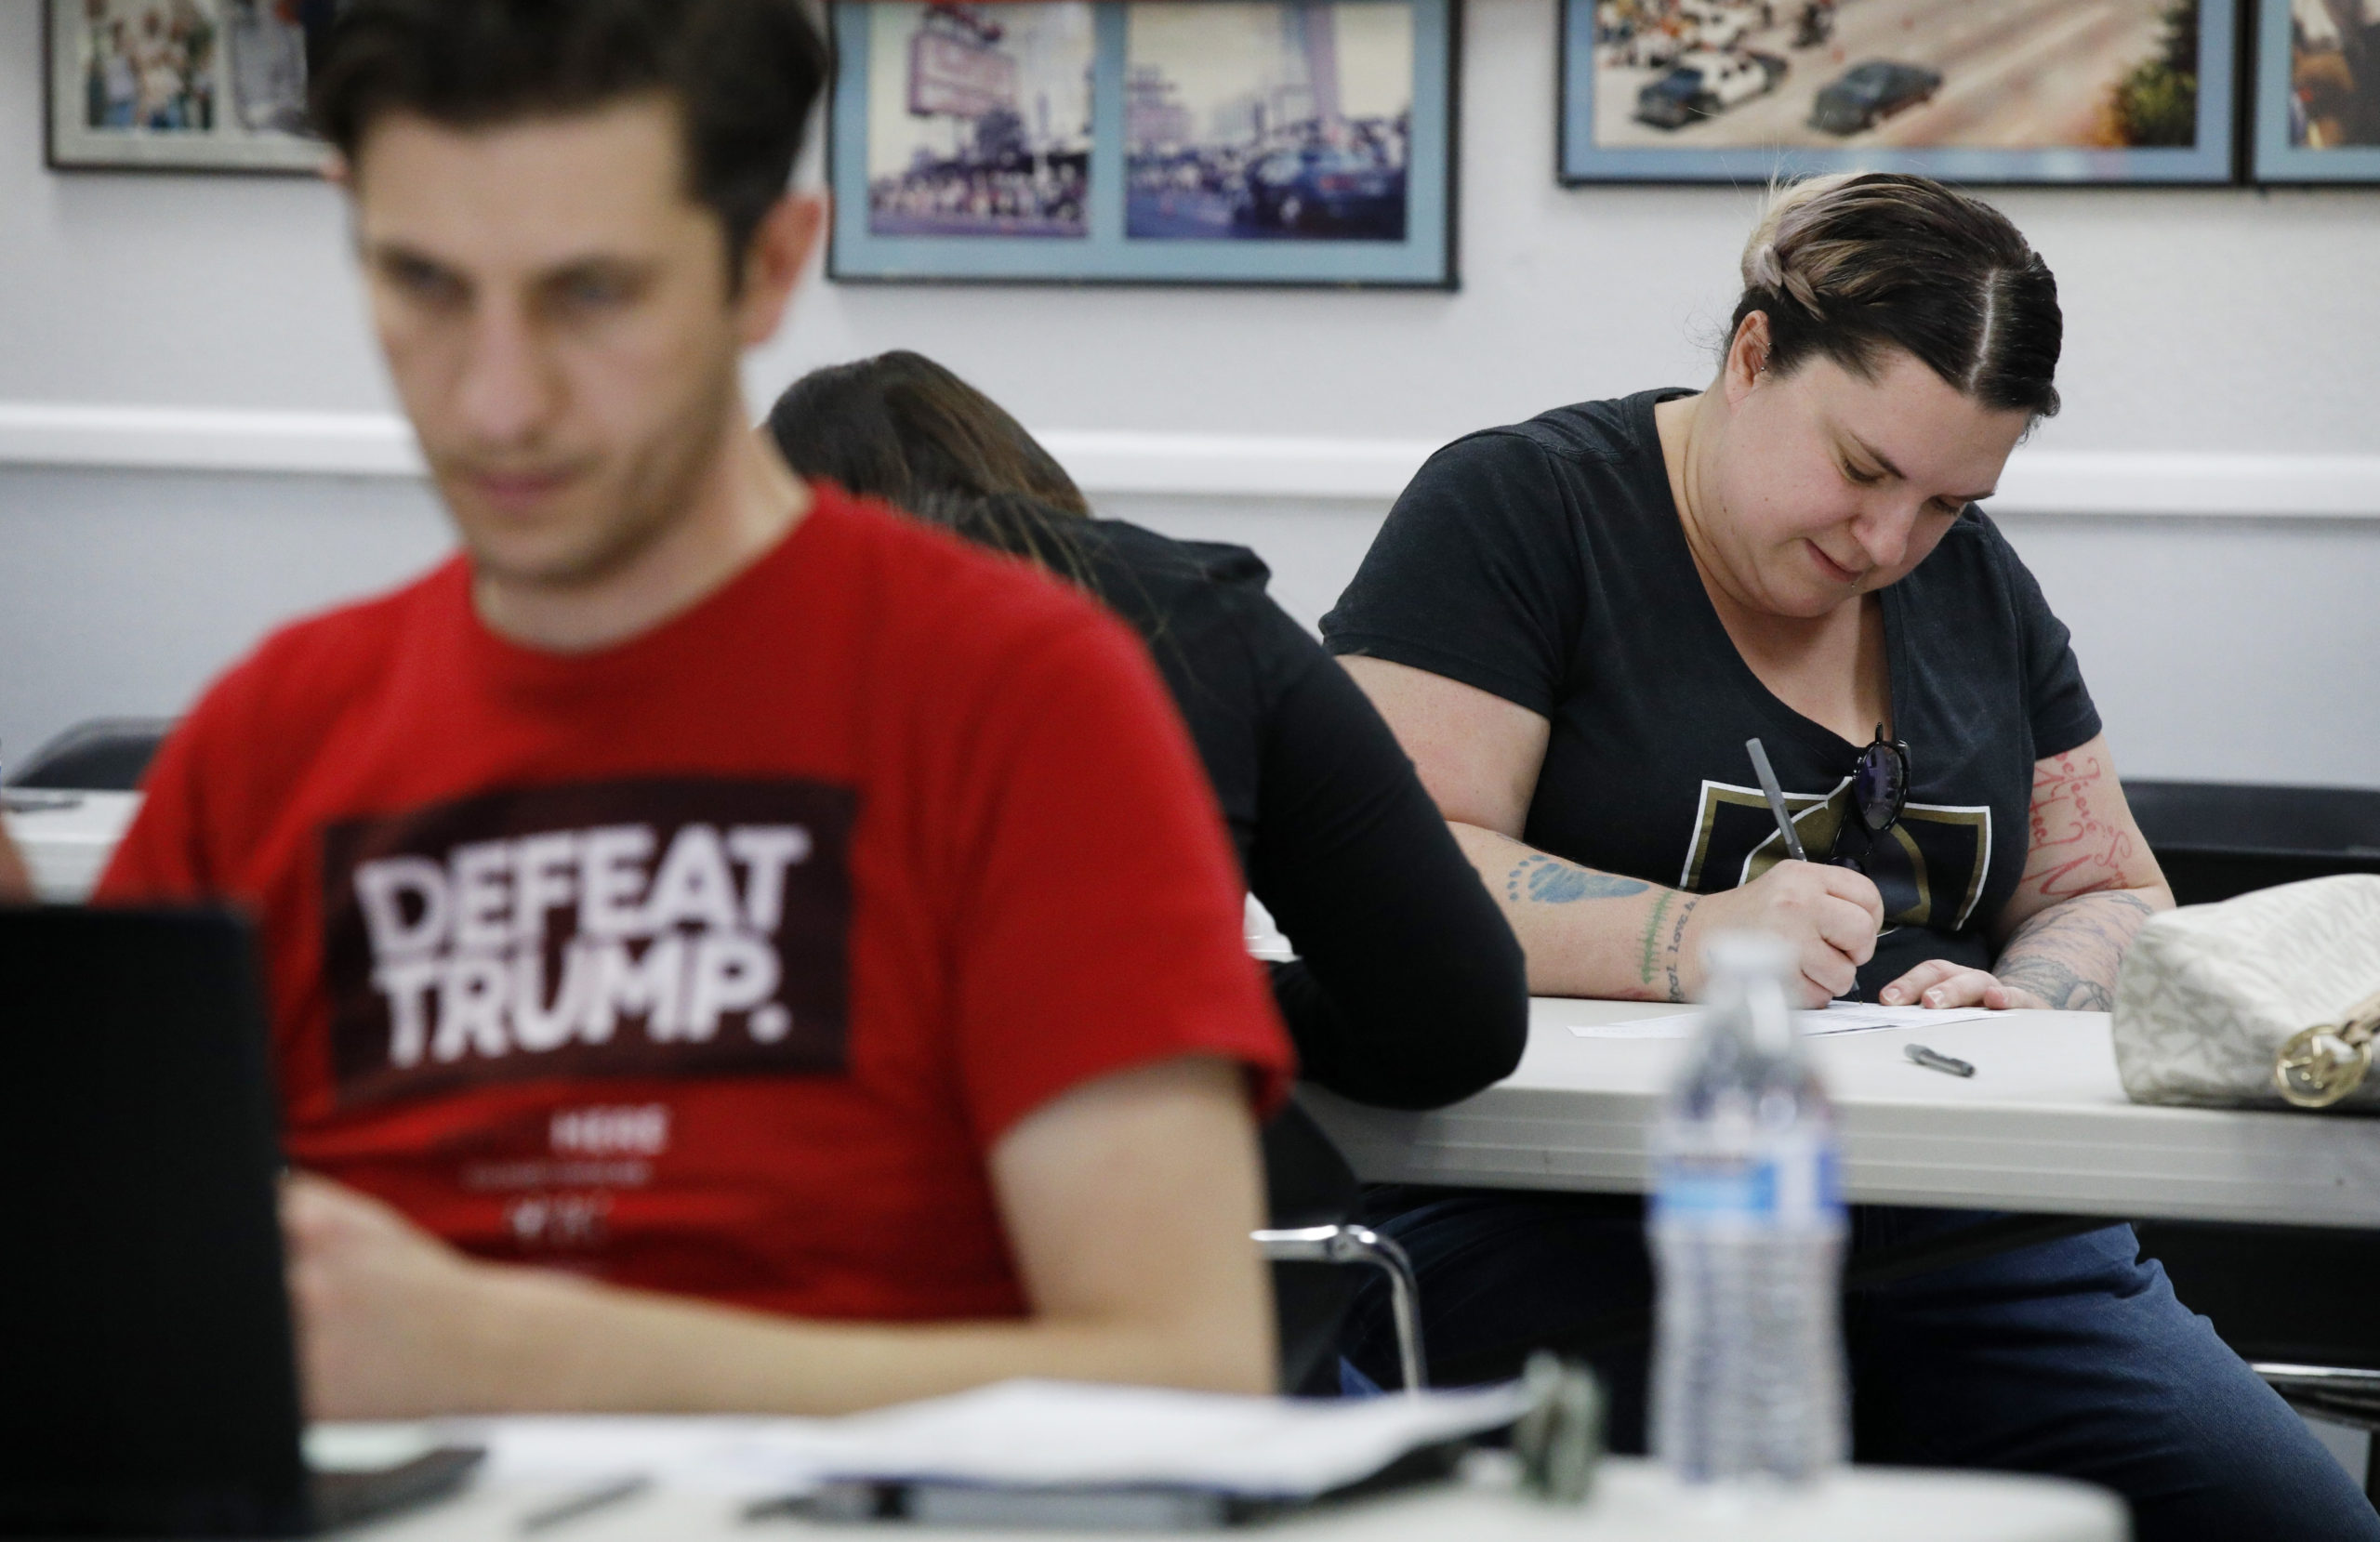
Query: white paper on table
{"x": 1018, "y": 1433}
{"x": 739, "y": 1456}
{"x": 1053, "y": 1434}
{"x": 1840, "y": 1017}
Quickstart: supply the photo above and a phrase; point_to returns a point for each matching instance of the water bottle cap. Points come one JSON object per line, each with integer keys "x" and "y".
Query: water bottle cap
{"x": 1747, "y": 955}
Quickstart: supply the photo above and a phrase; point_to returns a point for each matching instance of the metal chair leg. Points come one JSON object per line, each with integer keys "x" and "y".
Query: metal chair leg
{"x": 1353, "y": 1244}
{"x": 2336, "y": 1393}
{"x": 2342, "y": 1394}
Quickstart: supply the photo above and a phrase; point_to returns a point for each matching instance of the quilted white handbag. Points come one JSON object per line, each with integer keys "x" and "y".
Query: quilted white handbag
{"x": 2271, "y": 999}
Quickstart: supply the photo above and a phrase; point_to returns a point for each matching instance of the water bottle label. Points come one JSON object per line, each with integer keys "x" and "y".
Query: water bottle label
{"x": 1795, "y": 1186}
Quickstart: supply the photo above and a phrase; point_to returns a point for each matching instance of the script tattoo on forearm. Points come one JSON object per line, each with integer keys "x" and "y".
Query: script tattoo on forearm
{"x": 2067, "y": 956}
{"x": 1664, "y": 955}
{"x": 1550, "y": 880}
{"x": 2081, "y": 851}
{"x": 1677, "y": 942}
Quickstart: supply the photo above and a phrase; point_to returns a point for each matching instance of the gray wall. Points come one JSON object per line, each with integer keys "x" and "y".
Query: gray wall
{"x": 2216, "y": 320}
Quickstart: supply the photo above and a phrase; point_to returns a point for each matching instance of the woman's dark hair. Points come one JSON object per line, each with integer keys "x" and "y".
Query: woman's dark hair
{"x": 1851, "y": 267}
{"x": 744, "y": 75}
{"x": 901, "y": 427}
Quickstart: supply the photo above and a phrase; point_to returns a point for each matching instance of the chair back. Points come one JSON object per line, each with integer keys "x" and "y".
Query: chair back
{"x": 2217, "y": 839}
{"x": 107, "y": 754}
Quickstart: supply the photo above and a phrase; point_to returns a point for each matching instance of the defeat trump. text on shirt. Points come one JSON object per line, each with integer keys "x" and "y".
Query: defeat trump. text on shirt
{"x": 672, "y": 928}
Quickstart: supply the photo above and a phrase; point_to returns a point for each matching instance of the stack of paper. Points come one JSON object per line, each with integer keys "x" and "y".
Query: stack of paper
{"x": 1050, "y": 1434}
{"x": 1840, "y": 1017}
{"x": 1020, "y": 1434}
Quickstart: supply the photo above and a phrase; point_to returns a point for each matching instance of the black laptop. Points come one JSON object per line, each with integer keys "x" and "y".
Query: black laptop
{"x": 148, "y": 1383}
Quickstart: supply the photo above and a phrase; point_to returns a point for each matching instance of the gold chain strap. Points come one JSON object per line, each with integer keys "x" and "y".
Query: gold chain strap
{"x": 2326, "y": 1062}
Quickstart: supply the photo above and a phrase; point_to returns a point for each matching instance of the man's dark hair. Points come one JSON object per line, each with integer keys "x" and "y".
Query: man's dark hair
{"x": 744, "y": 75}
{"x": 1850, "y": 267}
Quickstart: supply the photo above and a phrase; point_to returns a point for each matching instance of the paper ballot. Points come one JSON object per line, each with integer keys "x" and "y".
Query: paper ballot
{"x": 1840, "y": 1017}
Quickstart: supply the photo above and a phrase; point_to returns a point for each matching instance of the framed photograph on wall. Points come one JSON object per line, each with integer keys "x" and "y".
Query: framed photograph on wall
{"x": 2316, "y": 116}
{"x": 1744, "y": 91}
{"x": 181, "y": 85}
{"x": 1144, "y": 141}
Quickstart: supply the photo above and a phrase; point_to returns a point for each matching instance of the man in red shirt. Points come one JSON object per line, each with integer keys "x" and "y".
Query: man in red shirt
{"x": 730, "y": 947}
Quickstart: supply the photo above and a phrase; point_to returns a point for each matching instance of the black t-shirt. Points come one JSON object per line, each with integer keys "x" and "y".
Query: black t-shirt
{"x": 1409, "y": 989}
{"x": 1545, "y": 562}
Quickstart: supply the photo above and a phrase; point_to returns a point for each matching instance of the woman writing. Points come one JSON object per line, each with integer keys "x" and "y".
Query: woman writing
{"x": 1408, "y": 991}
{"x": 1575, "y": 624}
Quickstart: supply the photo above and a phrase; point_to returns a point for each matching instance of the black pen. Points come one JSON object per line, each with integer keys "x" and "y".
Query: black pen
{"x": 595, "y": 1496}
{"x": 1776, "y": 795}
{"x": 1935, "y": 1060}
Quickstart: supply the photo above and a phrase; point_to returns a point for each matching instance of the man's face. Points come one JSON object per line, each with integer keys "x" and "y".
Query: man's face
{"x": 554, "y": 307}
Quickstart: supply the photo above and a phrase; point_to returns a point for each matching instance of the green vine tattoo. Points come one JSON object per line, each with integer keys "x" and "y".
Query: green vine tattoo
{"x": 1652, "y": 931}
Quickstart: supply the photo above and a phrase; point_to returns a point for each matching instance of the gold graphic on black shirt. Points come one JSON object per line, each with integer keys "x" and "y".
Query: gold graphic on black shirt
{"x": 1931, "y": 867}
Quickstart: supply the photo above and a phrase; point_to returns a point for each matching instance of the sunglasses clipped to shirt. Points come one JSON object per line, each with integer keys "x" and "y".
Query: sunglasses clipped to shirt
{"x": 1879, "y": 793}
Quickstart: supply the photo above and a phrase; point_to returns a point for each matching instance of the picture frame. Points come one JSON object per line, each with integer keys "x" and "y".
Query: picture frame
{"x": 2315, "y": 113}
{"x": 1232, "y": 142}
{"x": 214, "y": 85}
{"x": 1747, "y": 92}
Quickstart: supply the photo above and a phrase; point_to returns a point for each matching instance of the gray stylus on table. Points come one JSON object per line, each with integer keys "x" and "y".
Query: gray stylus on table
{"x": 599, "y": 1495}
{"x": 1776, "y": 795}
{"x": 1933, "y": 1060}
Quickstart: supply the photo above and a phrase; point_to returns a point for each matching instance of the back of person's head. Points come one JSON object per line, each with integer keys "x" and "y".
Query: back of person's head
{"x": 1017, "y": 523}
{"x": 1849, "y": 267}
{"x": 901, "y": 427}
{"x": 743, "y": 75}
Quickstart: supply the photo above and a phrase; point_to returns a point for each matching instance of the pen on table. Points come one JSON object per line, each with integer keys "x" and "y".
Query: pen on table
{"x": 1776, "y": 795}
{"x": 594, "y": 1497}
{"x": 1935, "y": 1060}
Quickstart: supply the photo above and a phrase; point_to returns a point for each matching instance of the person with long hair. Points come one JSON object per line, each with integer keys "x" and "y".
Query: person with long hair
{"x": 1407, "y": 990}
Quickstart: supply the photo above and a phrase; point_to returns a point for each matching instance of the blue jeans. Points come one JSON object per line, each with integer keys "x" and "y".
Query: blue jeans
{"x": 2068, "y": 1357}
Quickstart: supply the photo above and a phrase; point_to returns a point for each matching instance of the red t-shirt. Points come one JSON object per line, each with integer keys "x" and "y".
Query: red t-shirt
{"x": 716, "y": 961}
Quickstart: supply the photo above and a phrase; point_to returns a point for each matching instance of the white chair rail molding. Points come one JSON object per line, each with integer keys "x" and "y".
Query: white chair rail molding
{"x": 2119, "y": 482}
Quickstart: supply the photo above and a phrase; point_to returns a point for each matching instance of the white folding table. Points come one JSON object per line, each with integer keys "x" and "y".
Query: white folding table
{"x": 1633, "y": 1503}
{"x": 2042, "y": 1125}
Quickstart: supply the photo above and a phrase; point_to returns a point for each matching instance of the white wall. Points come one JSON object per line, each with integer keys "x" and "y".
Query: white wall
{"x": 2197, "y": 321}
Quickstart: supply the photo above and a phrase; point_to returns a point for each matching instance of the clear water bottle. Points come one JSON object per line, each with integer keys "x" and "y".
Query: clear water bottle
{"x": 1747, "y": 1231}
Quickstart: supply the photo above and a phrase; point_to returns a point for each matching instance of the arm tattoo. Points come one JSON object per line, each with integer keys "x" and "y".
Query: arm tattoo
{"x": 2067, "y": 956}
{"x": 1677, "y": 938}
{"x": 1665, "y": 954}
{"x": 1652, "y": 937}
{"x": 1550, "y": 880}
{"x": 2081, "y": 847}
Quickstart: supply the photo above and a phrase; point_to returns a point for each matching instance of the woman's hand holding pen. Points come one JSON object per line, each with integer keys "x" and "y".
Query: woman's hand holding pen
{"x": 1829, "y": 915}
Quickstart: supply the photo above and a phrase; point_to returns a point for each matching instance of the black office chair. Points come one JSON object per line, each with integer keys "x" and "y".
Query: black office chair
{"x": 1312, "y": 1245}
{"x": 2215, "y": 839}
{"x": 2295, "y": 1303}
{"x": 107, "y": 754}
